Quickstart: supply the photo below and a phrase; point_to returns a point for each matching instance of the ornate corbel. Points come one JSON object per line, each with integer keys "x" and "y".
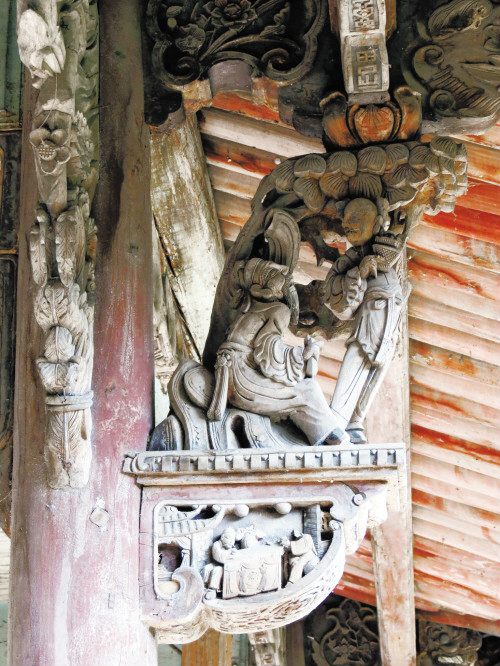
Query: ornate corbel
{"x": 451, "y": 56}
{"x": 444, "y": 644}
{"x": 59, "y": 46}
{"x": 211, "y": 47}
{"x": 343, "y": 631}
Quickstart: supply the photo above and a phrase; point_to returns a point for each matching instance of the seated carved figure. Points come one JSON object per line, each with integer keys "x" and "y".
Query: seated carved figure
{"x": 257, "y": 372}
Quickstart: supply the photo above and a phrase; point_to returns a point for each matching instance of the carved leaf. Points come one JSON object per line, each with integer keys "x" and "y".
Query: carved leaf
{"x": 59, "y": 346}
{"x": 70, "y": 243}
{"x": 335, "y": 185}
{"x": 396, "y": 153}
{"x": 365, "y": 185}
{"x": 405, "y": 175}
{"x": 308, "y": 189}
{"x": 372, "y": 160}
{"x": 442, "y": 146}
{"x": 38, "y": 254}
{"x": 344, "y": 161}
{"x": 284, "y": 176}
{"x": 400, "y": 196}
{"x": 421, "y": 157}
{"x": 310, "y": 166}
{"x": 374, "y": 123}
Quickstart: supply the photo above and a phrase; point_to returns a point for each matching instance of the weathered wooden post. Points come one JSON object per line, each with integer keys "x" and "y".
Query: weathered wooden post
{"x": 74, "y": 593}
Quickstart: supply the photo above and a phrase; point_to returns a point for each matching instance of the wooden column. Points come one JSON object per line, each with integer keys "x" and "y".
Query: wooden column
{"x": 212, "y": 649}
{"x": 392, "y": 542}
{"x": 74, "y": 573}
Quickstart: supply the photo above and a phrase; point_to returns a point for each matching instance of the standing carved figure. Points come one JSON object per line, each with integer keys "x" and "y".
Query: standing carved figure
{"x": 363, "y": 285}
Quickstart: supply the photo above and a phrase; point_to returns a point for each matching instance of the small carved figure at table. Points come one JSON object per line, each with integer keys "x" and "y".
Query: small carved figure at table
{"x": 304, "y": 556}
{"x": 363, "y": 284}
{"x": 256, "y": 371}
{"x": 221, "y": 550}
{"x": 253, "y": 568}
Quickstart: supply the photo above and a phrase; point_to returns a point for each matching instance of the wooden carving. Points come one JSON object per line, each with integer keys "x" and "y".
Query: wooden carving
{"x": 275, "y": 38}
{"x": 444, "y": 644}
{"x": 248, "y": 565}
{"x": 59, "y": 45}
{"x": 454, "y": 62}
{"x": 253, "y": 386}
{"x": 343, "y": 631}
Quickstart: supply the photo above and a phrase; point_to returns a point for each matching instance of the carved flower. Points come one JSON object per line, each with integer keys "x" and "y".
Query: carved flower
{"x": 231, "y": 12}
{"x": 51, "y": 148}
{"x": 191, "y": 40}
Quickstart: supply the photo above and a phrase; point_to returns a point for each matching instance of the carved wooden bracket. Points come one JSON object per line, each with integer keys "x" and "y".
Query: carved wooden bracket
{"x": 223, "y": 551}
{"x": 452, "y": 58}
{"x": 342, "y": 631}
{"x": 59, "y": 45}
{"x": 444, "y": 644}
{"x": 211, "y": 46}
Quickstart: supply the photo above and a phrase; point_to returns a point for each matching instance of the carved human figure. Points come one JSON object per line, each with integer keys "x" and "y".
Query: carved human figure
{"x": 220, "y": 551}
{"x": 256, "y": 371}
{"x": 304, "y": 556}
{"x": 362, "y": 284}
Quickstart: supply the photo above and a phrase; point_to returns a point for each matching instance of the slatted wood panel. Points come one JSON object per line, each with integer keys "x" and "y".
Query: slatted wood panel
{"x": 454, "y": 313}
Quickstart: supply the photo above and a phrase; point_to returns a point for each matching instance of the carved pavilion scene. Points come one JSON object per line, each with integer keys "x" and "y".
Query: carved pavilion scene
{"x": 250, "y": 332}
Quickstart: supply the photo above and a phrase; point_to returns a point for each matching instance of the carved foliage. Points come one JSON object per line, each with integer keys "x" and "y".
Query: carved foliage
{"x": 343, "y": 631}
{"x": 60, "y": 50}
{"x": 276, "y": 37}
{"x": 455, "y": 60}
{"x": 444, "y": 644}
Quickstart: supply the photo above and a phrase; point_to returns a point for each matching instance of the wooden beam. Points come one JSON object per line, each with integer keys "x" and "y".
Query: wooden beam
{"x": 74, "y": 596}
{"x": 187, "y": 223}
{"x": 392, "y": 542}
{"x": 212, "y": 649}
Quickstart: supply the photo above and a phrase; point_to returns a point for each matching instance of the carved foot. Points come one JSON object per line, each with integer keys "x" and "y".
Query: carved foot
{"x": 336, "y": 437}
{"x": 356, "y": 433}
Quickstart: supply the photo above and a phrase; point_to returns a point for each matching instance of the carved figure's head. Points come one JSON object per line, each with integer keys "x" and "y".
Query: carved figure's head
{"x": 265, "y": 280}
{"x": 228, "y": 538}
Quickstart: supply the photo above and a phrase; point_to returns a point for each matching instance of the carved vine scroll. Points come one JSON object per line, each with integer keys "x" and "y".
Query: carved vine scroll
{"x": 59, "y": 45}
{"x": 275, "y": 37}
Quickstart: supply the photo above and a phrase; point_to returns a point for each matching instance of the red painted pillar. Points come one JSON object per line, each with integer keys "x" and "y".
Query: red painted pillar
{"x": 74, "y": 584}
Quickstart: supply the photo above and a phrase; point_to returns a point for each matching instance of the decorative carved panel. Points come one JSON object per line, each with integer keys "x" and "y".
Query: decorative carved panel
{"x": 276, "y": 38}
{"x": 452, "y": 58}
{"x": 444, "y": 644}
{"x": 340, "y": 632}
{"x": 59, "y": 45}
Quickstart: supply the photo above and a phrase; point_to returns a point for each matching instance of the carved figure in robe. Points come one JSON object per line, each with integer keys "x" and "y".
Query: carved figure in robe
{"x": 256, "y": 371}
{"x": 221, "y": 550}
{"x": 304, "y": 556}
{"x": 363, "y": 284}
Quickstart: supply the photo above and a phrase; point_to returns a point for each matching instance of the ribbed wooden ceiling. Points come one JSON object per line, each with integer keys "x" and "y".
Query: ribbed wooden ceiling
{"x": 454, "y": 313}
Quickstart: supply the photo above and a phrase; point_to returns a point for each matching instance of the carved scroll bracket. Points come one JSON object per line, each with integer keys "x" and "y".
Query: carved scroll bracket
{"x": 59, "y": 45}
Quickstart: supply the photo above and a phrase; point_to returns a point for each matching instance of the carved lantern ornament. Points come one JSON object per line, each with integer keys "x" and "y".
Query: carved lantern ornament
{"x": 58, "y": 43}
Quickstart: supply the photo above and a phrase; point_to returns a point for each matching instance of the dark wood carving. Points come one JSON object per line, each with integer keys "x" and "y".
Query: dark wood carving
{"x": 444, "y": 644}
{"x": 453, "y": 61}
{"x": 273, "y": 37}
{"x": 342, "y": 631}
